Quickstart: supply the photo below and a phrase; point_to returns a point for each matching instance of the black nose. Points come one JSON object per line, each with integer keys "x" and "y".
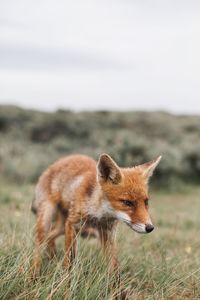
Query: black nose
{"x": 149, "y": 227}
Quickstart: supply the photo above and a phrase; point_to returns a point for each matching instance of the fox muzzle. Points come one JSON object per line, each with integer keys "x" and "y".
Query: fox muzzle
{"x": 149, "y": 228}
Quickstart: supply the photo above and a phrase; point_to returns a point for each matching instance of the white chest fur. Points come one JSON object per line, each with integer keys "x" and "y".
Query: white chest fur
{"x": 104, "y": 210}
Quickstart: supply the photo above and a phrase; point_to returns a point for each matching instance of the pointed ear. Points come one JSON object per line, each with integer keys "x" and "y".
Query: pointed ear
{"x": 108, "y": 170}
{"x": 149, "y": 167}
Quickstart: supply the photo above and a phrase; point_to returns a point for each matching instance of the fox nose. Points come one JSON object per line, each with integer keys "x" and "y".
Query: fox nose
{"x": 149, "y": 228}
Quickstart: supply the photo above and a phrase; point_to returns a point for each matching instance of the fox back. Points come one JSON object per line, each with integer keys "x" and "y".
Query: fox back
{"x": 63, "y": 180}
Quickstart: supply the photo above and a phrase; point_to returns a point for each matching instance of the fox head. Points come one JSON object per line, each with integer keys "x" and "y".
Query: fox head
{"x": 126, "y": 190}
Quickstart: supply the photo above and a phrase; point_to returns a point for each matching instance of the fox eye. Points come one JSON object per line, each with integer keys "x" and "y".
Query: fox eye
{"x": 128, "y": 203}
{"x": 146, "y": 202}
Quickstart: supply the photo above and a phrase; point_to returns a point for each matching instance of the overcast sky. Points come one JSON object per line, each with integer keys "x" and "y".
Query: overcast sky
{"x": 127, "y": 54}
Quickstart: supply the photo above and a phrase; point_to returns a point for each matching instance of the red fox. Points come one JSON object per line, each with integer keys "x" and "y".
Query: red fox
{"x": 76, "y": 193}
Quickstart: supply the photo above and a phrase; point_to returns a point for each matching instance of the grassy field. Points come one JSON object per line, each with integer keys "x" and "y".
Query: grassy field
{"x": 161, "y": 265}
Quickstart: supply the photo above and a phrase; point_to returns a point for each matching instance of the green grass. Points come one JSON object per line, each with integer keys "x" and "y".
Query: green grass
{"x": 161, "y": 265}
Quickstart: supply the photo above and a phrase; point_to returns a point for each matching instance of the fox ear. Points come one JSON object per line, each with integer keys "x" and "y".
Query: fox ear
{"x": 149, "y": 167}
{"x": 108, "y": 170}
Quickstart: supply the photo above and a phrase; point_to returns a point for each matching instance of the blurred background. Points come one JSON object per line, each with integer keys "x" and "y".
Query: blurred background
{"x": 100, "y": 76}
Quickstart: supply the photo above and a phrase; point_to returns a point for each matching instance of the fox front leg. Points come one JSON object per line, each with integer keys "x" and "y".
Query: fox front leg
{"x": 70, "y": 243}
{"x": 107, "y": 238}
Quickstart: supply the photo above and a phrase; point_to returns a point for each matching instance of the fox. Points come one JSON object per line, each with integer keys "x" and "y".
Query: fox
{"x": 78, "y": 194}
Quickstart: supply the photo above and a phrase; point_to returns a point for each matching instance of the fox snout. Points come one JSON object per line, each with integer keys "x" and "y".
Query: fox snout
{"x": 142, "y": 228}
{"x": 138, "y": 227}
{"x": 149, "y": 228}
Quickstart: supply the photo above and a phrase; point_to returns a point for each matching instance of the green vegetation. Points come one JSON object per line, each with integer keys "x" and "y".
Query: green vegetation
{"x": 161, "y": 265}
{"x": 30, "y": 140}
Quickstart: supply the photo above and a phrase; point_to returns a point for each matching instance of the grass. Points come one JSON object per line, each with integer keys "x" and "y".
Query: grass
{"x": 161, "y": 265}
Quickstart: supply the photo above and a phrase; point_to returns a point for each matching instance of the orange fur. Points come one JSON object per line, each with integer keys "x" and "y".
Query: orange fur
{"x": 77, "y": 194}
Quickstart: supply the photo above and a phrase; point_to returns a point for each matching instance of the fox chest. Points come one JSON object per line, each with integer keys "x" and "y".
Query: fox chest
{"x": 91, "y": 222}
